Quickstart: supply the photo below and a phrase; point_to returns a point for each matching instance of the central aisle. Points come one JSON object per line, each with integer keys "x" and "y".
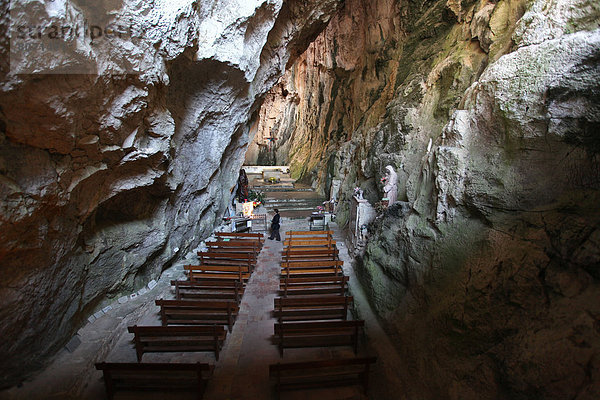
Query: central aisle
{"x": 242, "y": 371}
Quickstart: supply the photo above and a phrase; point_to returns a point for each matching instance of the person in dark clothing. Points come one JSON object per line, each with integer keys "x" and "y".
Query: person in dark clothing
{"x": 275, "y": 226}
{"x": 242, "y": 189}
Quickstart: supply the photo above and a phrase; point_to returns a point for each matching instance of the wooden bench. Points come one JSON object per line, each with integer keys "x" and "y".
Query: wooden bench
{"x": 317, "y": 334}
{"x": 309, "y": 286}
{"x": 153, "y": 339}
{"x": 259, "y": 237}
{"x": 234, "y": 246}
{"x": 208, "y": 290}
{"x": 318, "y": 243}
{"x": 311, "y": 308}
{"x": 247, "y": 259}
{"x": 322, "y": 374}
{"x": 198, "y": 312}
{"x": 222, "y": 272}
{"x": 299, "y": 254}
{"x": 326, "y": 234}
{"x": 154, "y": 376}
{"x": 312, "y": 268}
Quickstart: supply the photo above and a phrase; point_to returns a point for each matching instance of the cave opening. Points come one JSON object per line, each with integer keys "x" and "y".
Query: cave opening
{"x": 441, "y": 158}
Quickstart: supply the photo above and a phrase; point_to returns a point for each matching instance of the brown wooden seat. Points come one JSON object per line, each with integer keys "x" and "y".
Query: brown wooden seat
{"x": 155, "y": 377}
{"x": 317, "y": 334}
{"x": 234, "y": 246}
{"x": 312, "y": 268}
{"x": 208, "y": 290}
{"x": 299, "y": 254}
{"x": 309, "y": 242}
{"x": 152, "y": 339}
{"x": 309, "y": 286}
{"x": 226, "y": 257}
{"x": 198, "y": 312}
{"x": 223, "y": 272}
{"x": 259, "y": 237}
{"x": 319, "y": 234}
{"x": 322, "y": 374}
{"x": 312, "y": 308}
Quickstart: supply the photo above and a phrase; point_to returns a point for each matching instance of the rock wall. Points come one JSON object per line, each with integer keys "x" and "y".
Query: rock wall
{"x": 110, "y": 173}
{"x": 486, "y": 272}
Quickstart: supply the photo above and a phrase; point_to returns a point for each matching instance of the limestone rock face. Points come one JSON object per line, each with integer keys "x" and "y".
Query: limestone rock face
{"x": 486, "y": 271}
{"x": 107, "y": 176}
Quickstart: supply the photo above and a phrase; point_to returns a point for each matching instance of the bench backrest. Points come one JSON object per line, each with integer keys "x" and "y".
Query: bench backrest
{"x": 227, "y": 306}
{"x": 313, "y": 302}
{"x": 312, "y": 264}
{"x": 309, "y": 365}
{"x": 321, "y": 280}
{"x": 307, "y": 327}
{"x": 309, "y": 233}
{"x": 312, "y": 242}
{"x": 240, "y": 235}
{"x": 209, "y": 284}
{"x": 228, "y": 255}
{"x": 166, "y": 331}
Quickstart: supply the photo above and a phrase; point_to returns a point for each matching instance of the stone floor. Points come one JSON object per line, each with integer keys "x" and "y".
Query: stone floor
{"x": 242, "y": 370}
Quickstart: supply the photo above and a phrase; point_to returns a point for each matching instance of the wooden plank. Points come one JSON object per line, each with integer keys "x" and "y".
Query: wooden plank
{"x": 312, "y": 308}
{"x": 292, "y": 243}
{"x": 232, "y": 272}
{"x": 322, "y": 374}
{"x": 188, "y": 290}
{"x": 311, "y": 264}
{"x": 154, "y": 376}
{"x": 317, "y": 334}
{"x": 309, "y": 233}
{"x": 310, "y": 286}
{"x": 198, "y": 312}
{"x": 239, "y": 235}
{"x": 178, "y": 339}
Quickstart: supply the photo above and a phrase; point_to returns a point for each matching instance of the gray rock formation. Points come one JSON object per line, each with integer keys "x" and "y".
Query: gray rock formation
{"x": 486, "y": 272}
{"x": 123, "y": 157}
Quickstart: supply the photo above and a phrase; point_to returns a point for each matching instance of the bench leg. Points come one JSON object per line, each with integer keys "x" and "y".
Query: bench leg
{"x": 365, "y": 379}
{"x": 216, "y": 336}
{"x": 109, "y": 384}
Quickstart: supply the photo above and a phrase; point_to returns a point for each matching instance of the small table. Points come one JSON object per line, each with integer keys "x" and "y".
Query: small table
{"x": 316, "y": 222}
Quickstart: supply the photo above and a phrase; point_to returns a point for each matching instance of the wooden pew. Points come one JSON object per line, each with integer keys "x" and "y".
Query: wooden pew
{"x": 259, "y": 237}
{"x": 198, "y": 312}
{"x": 312, "y": 268}
{"x": 309, "y": 286}
{"x": 221, "y": 272}
{"x": 319, "y": 234}
{"x": 317, "y": 334}
{"x": 322, "y": 374}
{"x": 298, "y": 254}
{"x": 152, "y": 339}
{"x": 234, "y": 246}
{"x": 310, "y": 242}
{"x": 208, "y": 290}
{"x": 311, "y": 308}
{"x": 225, "y": 258}
{"x": 155, "y": 377}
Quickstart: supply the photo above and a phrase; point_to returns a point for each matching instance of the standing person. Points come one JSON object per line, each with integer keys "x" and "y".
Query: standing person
{"x": 242, "y": 189}
{"x": 275, "y": 226}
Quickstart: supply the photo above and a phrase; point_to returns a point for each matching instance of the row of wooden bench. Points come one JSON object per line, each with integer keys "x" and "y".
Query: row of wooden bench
{"x": 312, "y": 311}
{"x": 194, "y": 321}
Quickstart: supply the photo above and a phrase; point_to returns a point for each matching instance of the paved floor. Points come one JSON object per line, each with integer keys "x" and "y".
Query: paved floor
{"x": 242, "y": 370}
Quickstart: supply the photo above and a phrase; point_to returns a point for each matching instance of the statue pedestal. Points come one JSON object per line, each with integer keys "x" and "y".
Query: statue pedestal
{"x": 361, "y": 213}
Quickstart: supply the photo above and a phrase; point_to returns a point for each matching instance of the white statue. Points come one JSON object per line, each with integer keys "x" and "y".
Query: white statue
{"x": 391, "y": 185}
